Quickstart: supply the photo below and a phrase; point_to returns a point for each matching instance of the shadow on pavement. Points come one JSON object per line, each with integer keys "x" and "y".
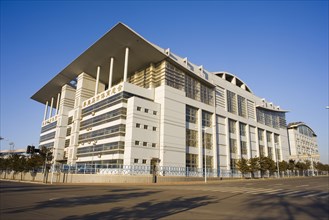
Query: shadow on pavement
{"x": 149, "y": 210}
{"x": 273, "y": 208}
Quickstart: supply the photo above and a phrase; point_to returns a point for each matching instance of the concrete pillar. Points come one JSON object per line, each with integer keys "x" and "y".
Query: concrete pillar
{"x": 265, "y": 143}
{"x": 111, "y": 72}
{"x": 238, "y": 140}
{"x": 200, "y": 140}
{"x": 51, "y": 107}
{"x": 214, "y": 142}
{"x": 125, "y": 72}
{"x": 249, "y": 150}
{"x": 97, "y": 79}
{"x": 228, "y": 150}
{"x": 57, "y": 104}
{"x": 46, "y": 111}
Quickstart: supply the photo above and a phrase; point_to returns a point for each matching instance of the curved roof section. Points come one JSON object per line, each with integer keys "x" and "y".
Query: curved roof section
{"x": 234, "y": 80}
{"x": 297, "y": 124}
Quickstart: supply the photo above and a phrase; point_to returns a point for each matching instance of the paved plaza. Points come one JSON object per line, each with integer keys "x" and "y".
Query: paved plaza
{"x": 294, "y": 198}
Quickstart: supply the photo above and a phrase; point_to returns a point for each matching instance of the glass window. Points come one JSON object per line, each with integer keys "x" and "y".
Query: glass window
{"x": 136, "y": 142}
{"x": 191, "y": 114}
{"x": 146, "y": 110}
{"x": 138, "y": 125}
{"x": 191, "y": 138}
{"x": 243, "y": 129}
{"x": 243, "y": 147}
{"x": 146, "y": 127}
{"x": 260, "y": 134}
{"x": 139, "y": 108}
{"x": 233, "y": 147}
{"x": 135, "y": 160}
{"x": 144, "y": 161}
{"x": 145, "y": 144}
{"x": 231, "y": 102}
{"x": 154, "y": 144}
{"x": 242, "y": 110}
{"x": 206, "y": 119}
{"x": 231, "y": 126}
{"x": 154, "y": 128}
{"x": 154, "y": 112}
{"x": 192, "y": 161}
{"x": 207, "y": 138}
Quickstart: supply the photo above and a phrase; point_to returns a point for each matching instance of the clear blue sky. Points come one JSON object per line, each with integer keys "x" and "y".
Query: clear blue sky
{"x": 280, "y": 49}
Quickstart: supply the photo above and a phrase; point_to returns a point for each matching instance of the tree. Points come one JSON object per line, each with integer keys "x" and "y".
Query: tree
{"x": 271, "y": 165}
{"x": 283, "y": 166}
{"x": 242, "y": 166}
{"x": 263, "y": 165}
{"x": 301, "y": 166}
{"x": 291, "y": 165}
{"x": 4, "y": 165}
{"x": 253, "y": 166}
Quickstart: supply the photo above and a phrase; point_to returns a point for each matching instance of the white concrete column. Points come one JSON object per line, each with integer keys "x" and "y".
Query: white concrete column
{"x": 125, "y": 72}
{"x": 265, "y": 143}
{"x": 228, "y": 151}
{"x": 200, "y": 140}
{"x": 257, "y": 141}
{"x": 57, "y": 104}
{"x": 46, "y": 111}
{"x": 238, "y": 140}
{"x": 51, "y": 107}
{"x": 214, "y": 142}
{"x": 111, "y": 72}
{"x": 97, "y": 79}
{"x": 249, "y": 150}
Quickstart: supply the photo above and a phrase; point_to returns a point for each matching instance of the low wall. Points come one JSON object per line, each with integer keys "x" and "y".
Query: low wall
{"x": 95, "y": 178}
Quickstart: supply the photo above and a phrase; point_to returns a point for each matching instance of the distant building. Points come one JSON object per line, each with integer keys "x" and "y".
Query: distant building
{"x": 7, "y": 153}
{"x": 126, "y": 101}
{"x": 303, "y": 142}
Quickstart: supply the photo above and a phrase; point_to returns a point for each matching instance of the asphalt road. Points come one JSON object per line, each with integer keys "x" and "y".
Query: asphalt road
{"x": 295, "y": 198}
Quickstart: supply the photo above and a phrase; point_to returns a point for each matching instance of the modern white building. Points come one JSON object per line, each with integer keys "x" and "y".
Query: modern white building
{"x": 303, "y": 142}
{"x": 126, "y": 101}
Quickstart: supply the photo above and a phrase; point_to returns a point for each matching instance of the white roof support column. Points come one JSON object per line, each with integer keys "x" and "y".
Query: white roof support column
{"x": 125, "y": 72}
{"x": 46, "y": 111}
{"x": 97, "y": 79}
{"x": 51, "y": 107}
{"x": 111, "y": 72}
{"x": 57, "y": 104}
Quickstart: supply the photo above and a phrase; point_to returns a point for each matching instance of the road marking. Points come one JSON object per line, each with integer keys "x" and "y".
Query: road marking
{"x": 288, "y": 193}
{"x": 275, "y": 191}
{"x": 317, "y": 194}
{"x": 324, "y": 197}
{"x": 302, "y": 185}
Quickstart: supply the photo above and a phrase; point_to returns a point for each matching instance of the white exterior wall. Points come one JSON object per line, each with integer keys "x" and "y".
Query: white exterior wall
{"x": 172, "y": 126}
{"x": 151, "y": 120}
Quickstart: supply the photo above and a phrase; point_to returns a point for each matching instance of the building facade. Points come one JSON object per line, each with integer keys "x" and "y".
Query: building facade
{"x": 303, "y": 143}
{"x": 126, "y": 101}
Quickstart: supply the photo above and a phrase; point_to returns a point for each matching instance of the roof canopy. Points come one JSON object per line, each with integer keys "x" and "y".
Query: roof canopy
{"x": 112, "y": 44}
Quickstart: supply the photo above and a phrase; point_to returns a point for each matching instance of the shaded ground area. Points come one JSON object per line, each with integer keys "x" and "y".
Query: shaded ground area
{"x": 198, "y": 201}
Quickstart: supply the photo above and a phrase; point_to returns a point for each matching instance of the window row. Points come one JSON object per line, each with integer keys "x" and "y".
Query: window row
{"x": 146, "y": 127}
{"x": 106, "y": 103}
{"x": 145, "y": 144}
{"x": 144, "y": 161}
{"x": 146, "y": 110}
{"x": 104, "y": 118}
{"x": 113, "y": 131}
{"x": 47, "y": 137}
{"x": 49, "y": 127}
{"x": 108, "y": 148}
